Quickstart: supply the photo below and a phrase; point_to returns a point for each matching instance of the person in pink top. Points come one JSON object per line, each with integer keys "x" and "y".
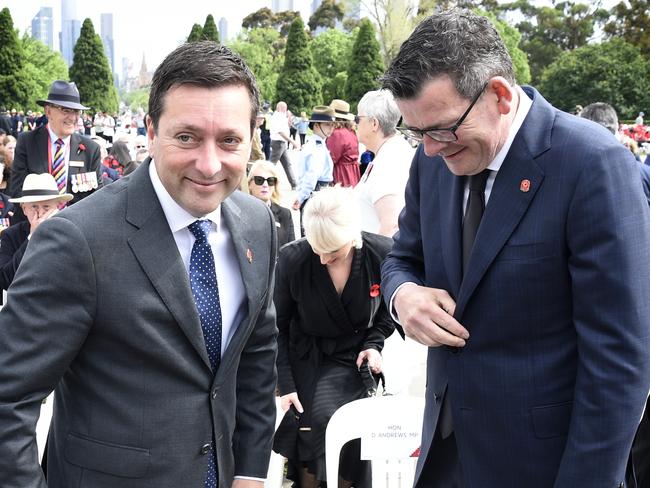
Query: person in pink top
{"x": 344, "y": 146}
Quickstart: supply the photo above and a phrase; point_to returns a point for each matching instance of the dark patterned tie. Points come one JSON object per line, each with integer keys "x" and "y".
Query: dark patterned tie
{"x": 58, "y": 167}
{"x": 205, "y": 290}
{"x": 473, "y": 213}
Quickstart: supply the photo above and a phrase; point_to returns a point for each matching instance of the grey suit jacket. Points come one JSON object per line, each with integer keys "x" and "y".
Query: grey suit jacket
{"x": 101, "y": 309}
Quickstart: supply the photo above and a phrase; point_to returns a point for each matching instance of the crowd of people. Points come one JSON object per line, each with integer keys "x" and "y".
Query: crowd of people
{"x": 172, "y": 280}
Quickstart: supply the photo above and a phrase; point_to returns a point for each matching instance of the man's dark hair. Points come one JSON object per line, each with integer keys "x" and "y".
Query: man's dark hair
{"x": 457, "y": 43}
{"x": 603, "y": 114}
{"x": 204, "y": 64}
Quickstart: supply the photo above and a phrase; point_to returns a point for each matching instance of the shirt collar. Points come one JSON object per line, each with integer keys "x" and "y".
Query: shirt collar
{"x": 522, "y": 110}
{"x": 54, "y": 137}
{"x": 177, "y": 217}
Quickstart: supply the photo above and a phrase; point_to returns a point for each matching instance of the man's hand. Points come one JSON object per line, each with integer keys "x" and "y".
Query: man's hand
{"x": 426, "y": 315}
{"x": 240, "y": 483}
{"x": 291, "y": 399}
{"x": 35, "y": 219}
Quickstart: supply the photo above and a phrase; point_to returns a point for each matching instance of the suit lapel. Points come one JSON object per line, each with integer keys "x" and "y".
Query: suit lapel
{"x": 164, "y": 267}
{"x": 252, "y": 258}
{"x": 42, "y": 147}
{"x": 514, "y": 188}
{"x": 451, "y": 201}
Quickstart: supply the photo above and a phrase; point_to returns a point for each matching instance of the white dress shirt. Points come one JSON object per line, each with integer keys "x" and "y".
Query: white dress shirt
{"x": 232, "y": 293}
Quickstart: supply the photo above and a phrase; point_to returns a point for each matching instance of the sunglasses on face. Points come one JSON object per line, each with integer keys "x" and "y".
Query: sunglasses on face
{"x": 259, "y": 180}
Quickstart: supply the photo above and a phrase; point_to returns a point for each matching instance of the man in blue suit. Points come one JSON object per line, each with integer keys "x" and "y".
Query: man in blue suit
{"x": 521, "y": 261}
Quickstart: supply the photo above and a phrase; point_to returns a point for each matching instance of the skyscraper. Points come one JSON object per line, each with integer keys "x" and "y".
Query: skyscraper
{"x": 223, "y": 30}
{"x": 107, "y": 39}
{"x": 70, "y": 29}
{"x": 43, "y": 27}
{"x": 282, "y": 5}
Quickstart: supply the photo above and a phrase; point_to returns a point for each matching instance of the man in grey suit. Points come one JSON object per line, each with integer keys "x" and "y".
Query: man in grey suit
{"x": 163, "y": 362}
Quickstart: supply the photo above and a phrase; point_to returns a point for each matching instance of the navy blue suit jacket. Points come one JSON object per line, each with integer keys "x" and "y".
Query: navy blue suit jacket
{"x": 551, "y": 384}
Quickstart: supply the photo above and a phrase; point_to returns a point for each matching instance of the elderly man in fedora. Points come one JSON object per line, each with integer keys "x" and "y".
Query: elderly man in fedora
{"x": 344, "y": 145}
{"x": 39, "y": 201}
{"x": 72, "y": 159}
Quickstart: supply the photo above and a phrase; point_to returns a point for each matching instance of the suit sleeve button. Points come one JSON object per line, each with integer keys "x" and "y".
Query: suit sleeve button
{"x": 205, "y": 449}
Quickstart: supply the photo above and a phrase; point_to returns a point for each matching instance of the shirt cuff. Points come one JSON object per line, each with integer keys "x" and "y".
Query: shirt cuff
{"x": 252, "y": 478}
{"x": 393, "y": 313}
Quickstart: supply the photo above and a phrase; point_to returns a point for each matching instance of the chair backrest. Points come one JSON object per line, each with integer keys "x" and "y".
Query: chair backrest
{"x": 390, "y": 429}
{"x": 275, "y": 474}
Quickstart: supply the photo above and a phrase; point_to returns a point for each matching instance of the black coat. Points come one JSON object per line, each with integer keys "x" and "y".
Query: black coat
{"x": 283, "y": 224}
{"x": 13, "y": 243}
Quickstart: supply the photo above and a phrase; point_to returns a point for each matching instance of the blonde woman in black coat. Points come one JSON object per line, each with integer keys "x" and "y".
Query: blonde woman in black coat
{"x": 331, "y": 320}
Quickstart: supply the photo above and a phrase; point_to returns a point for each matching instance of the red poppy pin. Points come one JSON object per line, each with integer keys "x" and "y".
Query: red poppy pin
{"x": 249, "y": 255}
{"x": 524, "y": 186}
{"x": 374, "y": 291}
{"x": 81, "y": 148}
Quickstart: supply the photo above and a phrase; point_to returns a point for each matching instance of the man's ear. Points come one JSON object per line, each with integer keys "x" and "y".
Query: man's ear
{"x": 151, "y": 132}
{"x": 504, "y": 93}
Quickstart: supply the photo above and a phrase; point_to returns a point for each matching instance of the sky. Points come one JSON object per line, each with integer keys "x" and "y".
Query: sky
{"x": 154, "y": 28}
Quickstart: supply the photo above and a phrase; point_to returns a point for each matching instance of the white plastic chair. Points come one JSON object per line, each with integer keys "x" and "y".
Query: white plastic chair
{"x": 275, "y": 474}
{"x": 390, "y": 429}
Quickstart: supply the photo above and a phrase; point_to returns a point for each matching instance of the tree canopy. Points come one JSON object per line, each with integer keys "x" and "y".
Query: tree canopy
{"x": 614, "y": 72}
{"x": 299, "y": 84}
{"x": 331, "y": 52}
{"x": 91, "y": 72}
{"x": 326, "y": 15}
{"x": 196, "y": 34}
{"x": 365, "y": 65}
{"x": 210, "y": 32}
{"x": 42, "y": 67}
{"x": 631, "y": 21}
{"x": 14, "y": 85}
{"x": 265, "y": 18}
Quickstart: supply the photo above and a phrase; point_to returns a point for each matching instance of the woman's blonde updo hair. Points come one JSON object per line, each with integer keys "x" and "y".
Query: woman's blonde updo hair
{"x": 331, "y": 219}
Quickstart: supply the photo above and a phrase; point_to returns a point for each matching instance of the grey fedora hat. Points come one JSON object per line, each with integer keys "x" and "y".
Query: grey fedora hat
{"x": 63, "y": 94}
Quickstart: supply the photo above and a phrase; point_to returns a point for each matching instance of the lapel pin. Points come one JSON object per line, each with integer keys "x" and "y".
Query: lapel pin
{"x": 524, "y": 185}
{"x": 249, "y": 255}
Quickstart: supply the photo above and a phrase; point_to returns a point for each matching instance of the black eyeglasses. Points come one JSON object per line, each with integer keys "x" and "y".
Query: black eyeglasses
{"x": 65, "y": 110}
{"x": 441, "y": 135}
{"x": 259, "y": 180}
{"x": 357, "y": 118}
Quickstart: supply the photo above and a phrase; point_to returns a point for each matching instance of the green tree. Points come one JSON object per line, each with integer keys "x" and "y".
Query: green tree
{"x": 395, "y": 20}
{"x": 299, "y": 83}
{"x": 614, "y": 72}
{"x": 263, "y": 51}
{"x": 42, "y": 67}
{"x": 511, "y": 38}
{"x": 196, "y": 33}
{"x": 284, "y": 20}
{"x": 91, "y": 72}
{"x": 137, "y": 98}
{"x": 14, "y": 86}
{"x": 331, "y": 51}
{"x": 210, "y": 32}
{"x": 326, "y": 15}
{"x": 631, "y": 21}
{"x": 548, "y": 31}
{"x": 262, "y": 18}
{"x": 365, "y": 65}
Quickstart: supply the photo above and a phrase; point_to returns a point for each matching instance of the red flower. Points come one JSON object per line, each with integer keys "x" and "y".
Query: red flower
{"x": 374, "y": 291}
{"x": 81, "y": 148}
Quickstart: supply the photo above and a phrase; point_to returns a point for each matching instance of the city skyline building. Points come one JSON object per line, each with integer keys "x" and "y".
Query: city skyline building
{"x": 70, "y": 29}
{"x": 223, "y": 30}
{"x": 106, "y": 21}
{"x": 281, "y": 5}
{"x": 43, "y": 27}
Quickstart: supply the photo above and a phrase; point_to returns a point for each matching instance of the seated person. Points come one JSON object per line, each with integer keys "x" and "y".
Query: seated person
{"x": 39, "y": 202}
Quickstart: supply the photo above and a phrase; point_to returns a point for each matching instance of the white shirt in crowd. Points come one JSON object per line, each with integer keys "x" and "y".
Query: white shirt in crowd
{"x": 386, "y": 175}
{"x": 279, "y": 123}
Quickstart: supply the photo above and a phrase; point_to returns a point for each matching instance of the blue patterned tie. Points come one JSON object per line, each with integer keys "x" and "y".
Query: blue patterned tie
{"x": 205, "y": 290}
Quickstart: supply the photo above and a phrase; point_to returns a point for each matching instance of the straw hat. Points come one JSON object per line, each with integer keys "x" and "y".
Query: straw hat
{"x": 322, "y": 113}
{"x": 342, "y": 109}
{"x": 38, "y": 188}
